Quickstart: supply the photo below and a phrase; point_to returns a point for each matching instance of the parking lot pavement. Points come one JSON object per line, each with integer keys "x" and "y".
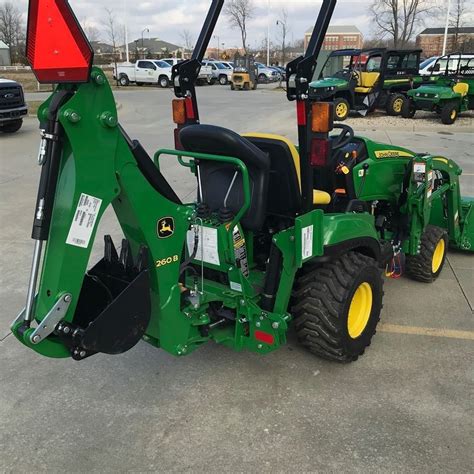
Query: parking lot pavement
{"x": 406, "y": 405}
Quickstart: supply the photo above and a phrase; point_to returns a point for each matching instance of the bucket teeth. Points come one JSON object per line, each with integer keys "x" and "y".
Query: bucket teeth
{"x": 126, "y": 257}
{"x": 142, "y": 259}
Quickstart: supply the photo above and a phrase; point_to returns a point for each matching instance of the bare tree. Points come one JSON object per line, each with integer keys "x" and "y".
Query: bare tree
{"x": 113, "y": 32}
{"x": 399, "y": 18}
{"x": 456, "y": 21}
{"x": 11, "y": 29}
{"x": 283, "y": 22}
{"x": 188, "y": 39}
{"x": 92, "y": 33}
{"x": 239, "y": 13}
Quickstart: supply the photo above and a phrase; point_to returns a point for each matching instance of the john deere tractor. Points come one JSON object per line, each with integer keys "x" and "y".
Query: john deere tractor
{"x": 363, "y": 80}
{"x": 277, "y": 236}
{"x": 449, "y": 92}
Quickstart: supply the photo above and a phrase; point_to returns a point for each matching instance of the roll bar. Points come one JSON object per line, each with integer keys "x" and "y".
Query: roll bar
{"x": 299, "y": 71}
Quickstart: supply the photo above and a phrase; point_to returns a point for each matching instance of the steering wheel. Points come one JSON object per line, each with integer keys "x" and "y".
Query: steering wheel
{"x": 344, "y": 138}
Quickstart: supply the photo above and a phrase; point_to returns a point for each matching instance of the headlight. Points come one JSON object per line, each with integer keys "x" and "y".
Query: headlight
{"x": 417, "y": 94}
{"x": 436, "y": 96}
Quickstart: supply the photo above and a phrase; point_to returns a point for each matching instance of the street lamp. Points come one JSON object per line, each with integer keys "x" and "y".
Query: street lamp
{"x": 283, "y": 35}
{"x": 143, "y": 41}
{"x": 217, "y": 37}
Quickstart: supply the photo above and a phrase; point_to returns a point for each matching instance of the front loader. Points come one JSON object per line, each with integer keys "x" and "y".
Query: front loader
{"x": 277, "y": 235}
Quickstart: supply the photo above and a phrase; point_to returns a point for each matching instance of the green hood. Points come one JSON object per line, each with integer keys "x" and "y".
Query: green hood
{"x": 433, "y": 92}
{"x": 329, "y": 82}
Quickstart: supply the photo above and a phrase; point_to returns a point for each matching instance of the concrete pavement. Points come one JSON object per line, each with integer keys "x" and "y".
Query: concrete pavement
{"x": 405, "y": 406}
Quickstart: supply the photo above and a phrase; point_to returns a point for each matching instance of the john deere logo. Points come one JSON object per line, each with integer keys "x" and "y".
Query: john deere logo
{"x": 165, "y": 227}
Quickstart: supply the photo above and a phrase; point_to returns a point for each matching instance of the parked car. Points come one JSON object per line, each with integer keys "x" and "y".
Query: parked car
{"x": 220, "y": 73}
{"x": 144, "y": 71}
{"x": 205, "y": 74}
{"x": 229, "y": 64}
{"x": 12, "y": 106}
{"x": 432, "y": 66}
{"x": 267, "y": 74}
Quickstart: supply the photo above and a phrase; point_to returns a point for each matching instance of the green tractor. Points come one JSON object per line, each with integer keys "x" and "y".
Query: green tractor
{"x": 365, "y": 80}
{"x": 278, "y": 235}
{"x": 449, "y": 92}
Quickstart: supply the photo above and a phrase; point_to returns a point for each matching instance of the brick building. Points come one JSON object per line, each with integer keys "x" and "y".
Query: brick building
{"x": 431, "y": 40}
{"x": 339, "y": 37}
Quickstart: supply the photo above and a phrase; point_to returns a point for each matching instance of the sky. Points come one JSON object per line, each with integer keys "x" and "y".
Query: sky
{"x": 166, "y": 19}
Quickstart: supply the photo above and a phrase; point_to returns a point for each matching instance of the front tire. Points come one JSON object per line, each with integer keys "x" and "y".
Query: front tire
{"x": 164, "y": 82}
{"x": 337, "y": 307}
{"x": 427, "y": 265}
{"x": 449, "y": 114}
{"x": 223, "y": 80}
{"x": 341, "y": 109}
{"x": 408, "y": 109}
{"x": 11, "y": 127}
{"x": 395, "y": 104}
{"x": 262, "y": 79}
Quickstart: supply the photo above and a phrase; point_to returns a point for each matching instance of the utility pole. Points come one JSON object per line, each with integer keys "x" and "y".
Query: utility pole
{"x": 125, "y": 16}
{"x": 446, "y": 28}
{"x": 218, "y": 43}
{"x": 268, "y": 34}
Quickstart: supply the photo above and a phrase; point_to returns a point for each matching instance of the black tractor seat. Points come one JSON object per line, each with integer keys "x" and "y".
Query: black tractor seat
{"x": 216, "y": 177}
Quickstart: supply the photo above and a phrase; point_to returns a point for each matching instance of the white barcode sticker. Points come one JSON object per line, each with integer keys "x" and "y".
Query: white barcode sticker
{"x": 84, "y": 220}
{"x": 307, "y": 242}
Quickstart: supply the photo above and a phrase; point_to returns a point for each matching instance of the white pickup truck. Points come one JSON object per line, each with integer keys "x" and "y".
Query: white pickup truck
{"x": 145, "y": 71}
{"x": 206, "y": 74}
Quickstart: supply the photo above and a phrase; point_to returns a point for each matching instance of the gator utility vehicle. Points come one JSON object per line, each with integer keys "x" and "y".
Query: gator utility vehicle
{"x": 271, "y": 222}
{"x": 245, "y": 75}
{"x": 365, "y": 80}
{"x": 449, "y": 92}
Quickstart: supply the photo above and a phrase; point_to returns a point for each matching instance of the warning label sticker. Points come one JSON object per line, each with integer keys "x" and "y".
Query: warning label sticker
{"x": 84, "y": 221}
{"x": 208, "y": 246}
{"x": 307, "y": 242}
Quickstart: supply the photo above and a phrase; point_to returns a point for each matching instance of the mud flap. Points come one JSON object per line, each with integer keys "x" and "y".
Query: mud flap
{"x": 114, "y": 306}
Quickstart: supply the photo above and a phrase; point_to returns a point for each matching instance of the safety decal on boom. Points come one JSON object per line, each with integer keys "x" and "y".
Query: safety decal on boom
{"x": 240, "y": 251}
{"x": 84, "y": 220}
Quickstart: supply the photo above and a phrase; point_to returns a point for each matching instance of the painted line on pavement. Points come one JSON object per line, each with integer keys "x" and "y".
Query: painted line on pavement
{"x": 421, "y": 331}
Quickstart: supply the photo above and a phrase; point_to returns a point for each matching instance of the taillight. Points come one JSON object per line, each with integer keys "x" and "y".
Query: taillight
{"x": 57, "y": 49}
{"x": 177, "y": 141}
{"x": 264, "y": 337}
{"x": 320, "y": 148}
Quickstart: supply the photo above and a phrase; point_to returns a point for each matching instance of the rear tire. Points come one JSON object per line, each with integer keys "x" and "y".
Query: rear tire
{"x": 124, "y": 81}
{"x": 11, "y": 127}
{"x": 449, "y": 114}
{"x": 427, "y": 265}
{"x": 408, "y": 109}
{"x": 232, "y": 87}
{"x": 395, "y": 104}
{"x": 337, "y": 307}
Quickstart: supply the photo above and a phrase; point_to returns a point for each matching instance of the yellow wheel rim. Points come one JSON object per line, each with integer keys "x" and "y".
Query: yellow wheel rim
{"x": 341, "y": 110}
{"x": 453, "y": 115}
{"x": 359, "y": 310}
{"x": 438, "y": 256}
{"x": 397, "y": 105}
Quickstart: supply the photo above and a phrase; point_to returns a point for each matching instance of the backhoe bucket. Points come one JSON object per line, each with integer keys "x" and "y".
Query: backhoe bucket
{"x": 114, "y": 306}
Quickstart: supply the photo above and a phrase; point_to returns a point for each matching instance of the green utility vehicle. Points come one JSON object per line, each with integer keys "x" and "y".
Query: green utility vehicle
{"x": 365, "y": 80}
{"x": 278, "y": 235}
{"x": 449, "y": 92}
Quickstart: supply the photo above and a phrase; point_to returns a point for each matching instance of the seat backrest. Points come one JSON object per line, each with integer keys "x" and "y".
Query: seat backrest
{"x": 284, "y": 188}
{"x": 216, "y": 177}
{"x": 368, "y": 79}
{"x": 461, "y": 88}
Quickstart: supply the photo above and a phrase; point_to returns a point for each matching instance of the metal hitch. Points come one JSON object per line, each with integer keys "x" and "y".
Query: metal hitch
{"x": 114, "y": 307}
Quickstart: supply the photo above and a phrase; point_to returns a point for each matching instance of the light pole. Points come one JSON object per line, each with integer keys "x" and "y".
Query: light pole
{"x": 218, "y": 39}
{"x": 143, "y": 41}
{"x": 446, "y": 28}
{"x": 125, "y": 16}
{"x": 268, "y": 34}
{"x": 283, "y": 35}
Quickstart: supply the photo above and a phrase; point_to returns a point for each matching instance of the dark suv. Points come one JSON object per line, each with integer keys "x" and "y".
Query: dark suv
{"x": 12, "y": 106}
